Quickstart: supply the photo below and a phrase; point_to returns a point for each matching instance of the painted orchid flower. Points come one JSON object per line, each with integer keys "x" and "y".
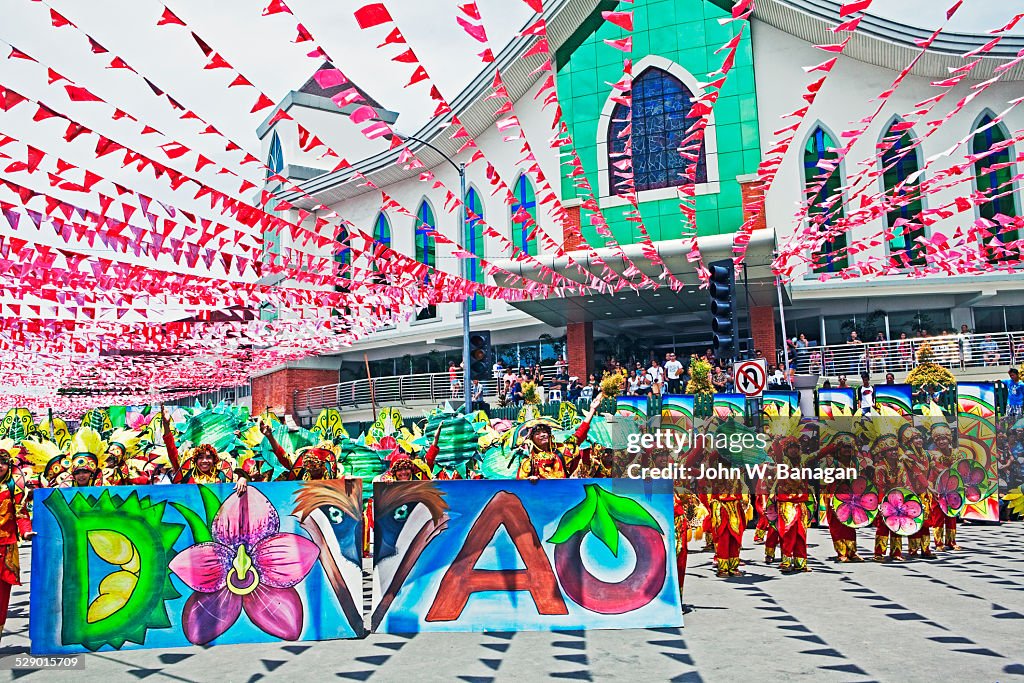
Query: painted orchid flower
{"x": 901, "y": 515}
{"x": 857, "y": 504}
{"x": 973, "y": 476}
{"x": 247, "y": 566}
{"x": 948, "y": 492}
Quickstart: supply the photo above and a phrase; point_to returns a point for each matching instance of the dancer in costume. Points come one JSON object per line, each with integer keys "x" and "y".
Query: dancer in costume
{"x": 123, "y": 464}
{"x": 919, "y": 467}
{"x": 790, "y": 497}
{"x": 407, "y": 467}
{"x": 728, "y": 522}
{"x": 202, "y": 464}
{"x": 542, "y": 458}
{"x": 944, "y": 457}
{"x": 14, "y": 525}
{"x": 841, "y": 446}
{"x": 310, "y": 462}
{"x": 890, "y": 472}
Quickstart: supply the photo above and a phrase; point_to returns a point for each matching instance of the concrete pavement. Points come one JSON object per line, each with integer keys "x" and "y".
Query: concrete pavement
{"x": 961, "y": 616}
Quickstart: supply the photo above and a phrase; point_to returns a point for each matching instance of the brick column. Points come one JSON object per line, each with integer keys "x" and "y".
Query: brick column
{"x": 278, "y": 388}
{"x": 762, "y": 325}
{"x": 571, "y": 228}
{"x": 579, "y": 343}
{"x": 752, "y": 195}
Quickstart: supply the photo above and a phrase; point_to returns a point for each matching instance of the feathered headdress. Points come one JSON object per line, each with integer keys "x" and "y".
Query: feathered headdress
{"x": 129, "y": 441}
{"x": 46, "y": 459}
{"x": 879, "y": 433}
{"x": 87, "y": 447}
{"x": 56, "y": 430}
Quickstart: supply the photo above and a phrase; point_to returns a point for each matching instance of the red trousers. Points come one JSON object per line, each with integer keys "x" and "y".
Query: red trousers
{"x": 844, "y": 538}
{"x": 5, "y": 601}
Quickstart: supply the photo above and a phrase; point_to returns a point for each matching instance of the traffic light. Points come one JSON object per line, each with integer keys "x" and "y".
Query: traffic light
{"x": 481, "y": 356}
{"x": 722, "y": 288}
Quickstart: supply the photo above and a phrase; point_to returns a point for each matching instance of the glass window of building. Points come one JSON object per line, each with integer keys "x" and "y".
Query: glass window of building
{"x": 474, "y": 244}
{"x": 660, "y": 119}
{"x": 819, "y": 155}
{"x": 524, "y": 216}
{"x": 993, "y": 176}
{"x": 899, "y": 164}
{"x": 425, "y": 250}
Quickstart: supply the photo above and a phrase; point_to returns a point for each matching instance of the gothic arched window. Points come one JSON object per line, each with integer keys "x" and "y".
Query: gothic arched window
{"x": 660, "y": 119}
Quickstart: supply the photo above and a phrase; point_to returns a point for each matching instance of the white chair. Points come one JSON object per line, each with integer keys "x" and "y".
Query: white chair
{"x": 555, "y": 396}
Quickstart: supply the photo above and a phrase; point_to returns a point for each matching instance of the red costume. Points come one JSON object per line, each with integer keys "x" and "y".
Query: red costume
{"x": 14, "y": 526}
{"x": 728, "y": 522}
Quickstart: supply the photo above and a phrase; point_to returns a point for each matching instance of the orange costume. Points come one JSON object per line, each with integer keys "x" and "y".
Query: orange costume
{"x": 14, "y": 526}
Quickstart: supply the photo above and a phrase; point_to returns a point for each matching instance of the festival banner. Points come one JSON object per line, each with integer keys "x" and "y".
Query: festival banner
{"x": 171, "y": 566}
{"x": 976, "y": 408}
{"x": 677, "y": 412}
{"x": 730, "y": 405}
{"x": 632, "y": 406}
{"x": 897, "y": 398}
{"x": 515, "y": 555}
{"x": 780, "y": 404}
{"x": 835, "y": 402}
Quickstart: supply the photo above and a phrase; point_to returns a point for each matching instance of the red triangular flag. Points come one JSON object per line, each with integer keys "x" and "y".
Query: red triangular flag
{"x": 372, "y": 15}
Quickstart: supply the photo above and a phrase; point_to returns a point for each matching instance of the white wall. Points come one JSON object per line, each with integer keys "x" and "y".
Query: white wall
{"x": 845, "y": 98}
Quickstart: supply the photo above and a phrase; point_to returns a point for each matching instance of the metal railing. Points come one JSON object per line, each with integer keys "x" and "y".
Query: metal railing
{"x": 399, "y": 390}
{"x": 959, "y": 351}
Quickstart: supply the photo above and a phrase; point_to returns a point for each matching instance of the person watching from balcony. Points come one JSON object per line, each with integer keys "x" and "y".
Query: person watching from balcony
{"x": 673, "y": 373}
{"x": 644, "y": 389}
{"x": 478, "y": 396}
{"x": 573, "y": 391}
{"x": 657, "y": 374}
{"x": 890, "y": 378}
{"x": 453, "y": 379}
{"x": 989, "y": 350}
{"x": 719, "y": 380}
{"x": 561, "y": 368}
{"x": 904, "y": 352}
{"x": 841, "y": 384}
{"x": 632, "y": 383}
{"x": 516, "y": 392}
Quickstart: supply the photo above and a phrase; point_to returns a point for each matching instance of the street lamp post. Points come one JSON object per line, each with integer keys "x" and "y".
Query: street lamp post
{"x": 461, "y": 170}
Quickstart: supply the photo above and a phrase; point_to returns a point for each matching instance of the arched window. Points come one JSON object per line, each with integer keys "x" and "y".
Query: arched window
{"x": 898, "y": 164}
{"x": 820, "y": 150}
{"x": 524, "y": 216}
{"x": 275, "y": 160}
{"x": 992, "y": 175}
{"x": 381, "y": 234}
{"x": 474, "y": 243}
{"x": 425, "y": 250}
{"x": 661, "y": 108}
{"x": 275, "y": 164}
{"x": 342, "y": 257}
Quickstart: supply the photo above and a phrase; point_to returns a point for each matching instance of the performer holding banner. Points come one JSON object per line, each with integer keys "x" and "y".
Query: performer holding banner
{"x": 842, "y": 446}
{"x": 921, "y": 474}
{"x": 14, "y": 525}
{"x": 542, "y": 458}
{"x": 944, "y": 458}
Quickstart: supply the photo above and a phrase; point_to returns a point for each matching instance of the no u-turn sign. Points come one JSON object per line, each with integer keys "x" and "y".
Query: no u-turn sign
{"x": 751, "y": 377}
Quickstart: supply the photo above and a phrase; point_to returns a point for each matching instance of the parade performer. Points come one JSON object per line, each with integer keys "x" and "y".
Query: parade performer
{"x": 202, "y": 464}
{"x": 945, "y": 456}
{"x": 122, "y": 465}
{"x": 728, "y": 522}
{"x": 80, "y": 466}
{"x": 406, "y": 467}
{"x": 14, "y": 525}
{"x": 310, "y": 462}
{"x": 890, "y": 471}
{"x": 841, "y": 446}
{"x": 542, "y": 458}
{"x": 790, "y": 497}
{"x": 920, "y": 469}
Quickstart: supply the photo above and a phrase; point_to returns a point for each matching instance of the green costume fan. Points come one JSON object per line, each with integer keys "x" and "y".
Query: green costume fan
{"x": 460, "y": 436}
